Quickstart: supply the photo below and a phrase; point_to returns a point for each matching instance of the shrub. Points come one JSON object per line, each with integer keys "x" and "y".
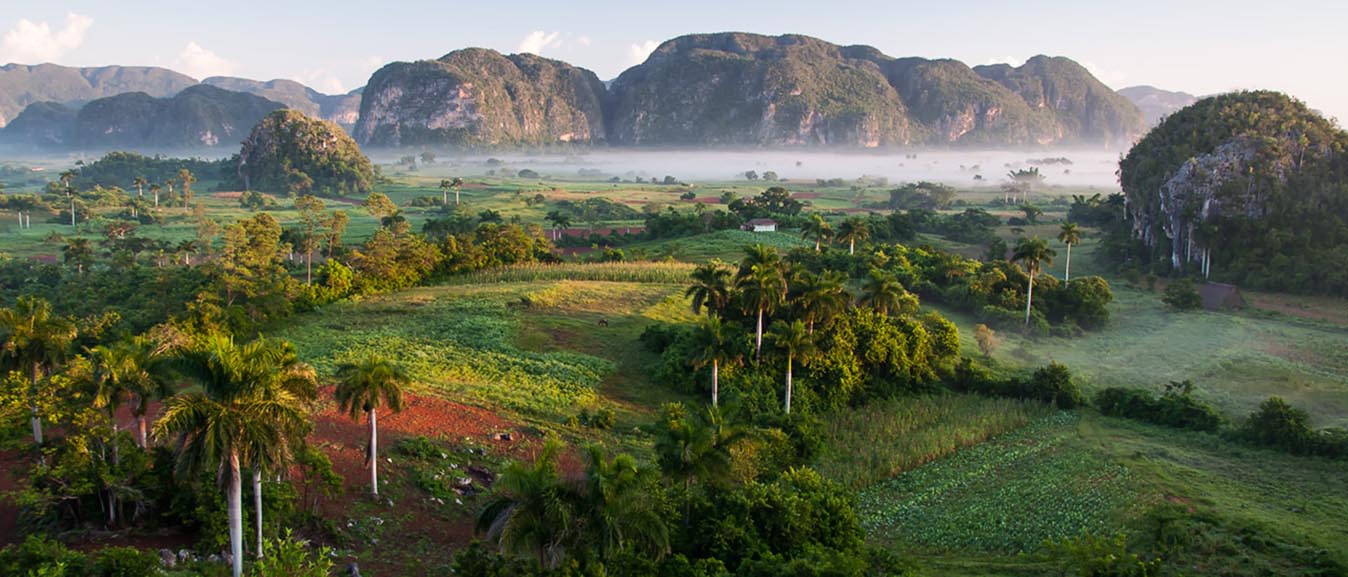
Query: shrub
{"x": 125, "y": 562}
{"x": 1053, "y": 384}
{"x": 1176, "y": 408}
{"x": 288, "y": 557}
{"x": 987, "y": 340}
{"x": 1097, "y": 556}
{"x": 40, "y": 556}
{"x": 1278, "y": 424}
{"x": 1182, "y": 296}
{"x": 418, "y": 447}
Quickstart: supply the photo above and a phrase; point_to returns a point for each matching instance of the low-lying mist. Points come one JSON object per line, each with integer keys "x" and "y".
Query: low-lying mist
{"x": 1079, "y": 167}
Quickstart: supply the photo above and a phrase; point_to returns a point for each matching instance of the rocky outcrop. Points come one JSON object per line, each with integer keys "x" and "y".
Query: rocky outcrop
{"x": 21, "y": 85}
{"x": 479, "y": 97}
{"x": 288, "y": 152}
{"x": 747, "y": 89}
{"x": 344, "y": 109}
{"x": 41, "y": 125}
{"x": 1084, "y": 110}
{"x": 1155, "y": 103}
{"x": 198, "y": 117}
{"x": 953, "y": 104}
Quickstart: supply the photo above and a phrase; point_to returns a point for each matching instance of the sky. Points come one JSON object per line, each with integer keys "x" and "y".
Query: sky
{"x": 1196, "y": 46}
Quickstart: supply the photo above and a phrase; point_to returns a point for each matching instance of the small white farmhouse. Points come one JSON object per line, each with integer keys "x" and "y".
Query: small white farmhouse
{"x": 761, "y": 225}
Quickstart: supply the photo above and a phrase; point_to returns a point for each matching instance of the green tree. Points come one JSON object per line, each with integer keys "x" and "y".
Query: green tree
{"x": 560, "y": 221}
{"x": 819, "y": 297}
{"x": 797, "y": 344}
{"x": 852, "y": 230}
{"x": 131, "y": 372}
{"x": 529, "y": 514}
{"x": 761, "y": 292}
{"x": 251, "y": 399}
{"x": 79, "y": 252}
{"x": 311, "y": 218}
{"x": 364, "y": 386}
{"x": 35, "y": 343}
{"x": 67, "y": 180}
{"x": 715, "y": 346}
{"x": 886, "y": 294}
{"x": 155, "y": 189}
{"x": 380, "y": 207}
{"x": 1032, "y": 253}
{"x": 139, "y": 182}
{"x": 818, "y": 228}
{"x": 1069, "y": 235}
{"x": 710, "y": 288}
{"x": 336, "y": 225}
{"x": 186, "y": 178}
{"x": 446, "y": 185}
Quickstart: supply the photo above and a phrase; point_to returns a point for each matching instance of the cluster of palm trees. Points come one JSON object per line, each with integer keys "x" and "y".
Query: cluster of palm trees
{"x": 227, "y": 406}
{"x": 850, "y": 231}
{"x": 765, "y": 285}
{"x": 1034, "y": 253}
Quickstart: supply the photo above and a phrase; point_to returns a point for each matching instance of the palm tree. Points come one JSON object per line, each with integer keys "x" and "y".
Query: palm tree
{"x": 820, "y": 297}
{"x": 852, "y": 230}
{"x": 139, "y": 182}
{"x": 1069, "y": 235}
{"x": 154, "y": 189}
{"x": 616, "y": 511}
{"x": 78, "y": 251}
{"x": 530, "y": 514}
{"x": 251, "y": 401}
{"x": 716, "y": 347}
{"x": 761, "y": 291}
{"x": 446, "y": 185}
{"x": 797, "y": 343}
{"x": 758, "y": 255}
{"x": 818, "y": 228}
{"x": 186, "y": 178}
{"x": 187, "y": 248}
{"x": 1032, "y": 252}
{"x": 884, "y": 293}
{"x": 710, "y": 288}
{"x": 67, "y": 178}
{"x": 692, "y": 449}
{"x": 363, "y": 387}
{"x": 131, "y": 372}
{"x": 559, "y": 221}
{"x": 35, "y": 342}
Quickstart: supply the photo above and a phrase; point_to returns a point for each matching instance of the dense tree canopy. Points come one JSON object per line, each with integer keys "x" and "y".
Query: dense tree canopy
{"x": 290, "y": 152}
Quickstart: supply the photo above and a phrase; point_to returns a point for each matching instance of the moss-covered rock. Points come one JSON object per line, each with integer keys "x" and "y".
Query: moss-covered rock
{"x": 288, "y": 152}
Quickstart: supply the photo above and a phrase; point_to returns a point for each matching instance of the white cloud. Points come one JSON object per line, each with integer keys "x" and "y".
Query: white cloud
{"x": 199, "y": 62}
{"x": 34, "y": 42}
{"x": 639, "y": 52}
{"x": 539, "y": 40}
{"x": 584, "y": 41}
{"x": 1011, "y": 60}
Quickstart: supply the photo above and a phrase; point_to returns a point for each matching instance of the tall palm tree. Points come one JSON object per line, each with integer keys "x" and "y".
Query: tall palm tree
{"x": 710, "y": 288}
{"x": 852, "y": 230}
{"x": 1032, "y": 252}
{"x": 559, "y": 222}
{"x": 761, "y": 291}
{"x": 818, "y": 298}
{"x": 1069, "y": 235}
{"x": 758, "y": 255}
{"x": 252, "y": 400}
{"x": 797, "y": 343}
{"x": 34, "y": 342}
{"x": 885, "y": 294}
{"x": 154, "y": 190}
{"x": 716, "y": 346}
{"x": 131, "y": 372}
{"x": 67, "y": 185}
{"x": 690, "y": 449}
{"x": 187, "y": 248}
{"x": 139, "y": 182}
{"x": 363, "y": 387}
{"x": 818, "y": 228}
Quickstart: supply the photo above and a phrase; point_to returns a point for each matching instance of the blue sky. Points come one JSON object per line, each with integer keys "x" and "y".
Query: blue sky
{"x": 1296, "y": 46}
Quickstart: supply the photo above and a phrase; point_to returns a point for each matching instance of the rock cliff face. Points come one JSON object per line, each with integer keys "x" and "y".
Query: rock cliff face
{"x": 21, "y": 85}
{"x": 343, "y": 109}
{"x": 288, "y": 152}
{"x": 41, "y": 125}
{"x": 746, "y": 89}
{"x": 954, "y": 104}
{"x": 198, "y": 117}
{"x": 478, "y": 97}
{"x": 1083, "y": 108}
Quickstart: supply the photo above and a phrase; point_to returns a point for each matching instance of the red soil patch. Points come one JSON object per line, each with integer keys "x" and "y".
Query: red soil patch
{"x": 805, "y": 195}
{"x": 227, "y": 195}
{"x": 706, "y": 200}
{"x": 584, "y": 232}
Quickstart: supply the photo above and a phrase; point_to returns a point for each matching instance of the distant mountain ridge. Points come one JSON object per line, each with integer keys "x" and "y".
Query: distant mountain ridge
{"x": 23, "y": 85}
{"x": 201, "y": 116}
{"x": 744, "y": 90}
{"x": 1155, "y": 103}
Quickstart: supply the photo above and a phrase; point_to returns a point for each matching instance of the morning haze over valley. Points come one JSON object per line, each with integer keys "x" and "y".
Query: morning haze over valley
{"x": 699, "y": 290}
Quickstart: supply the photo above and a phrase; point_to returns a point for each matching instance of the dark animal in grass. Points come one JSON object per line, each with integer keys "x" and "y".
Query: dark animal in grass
{"x": 603, "y": 322}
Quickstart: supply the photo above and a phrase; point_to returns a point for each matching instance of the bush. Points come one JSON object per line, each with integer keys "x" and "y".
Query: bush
{"x": 418, "y": 447}
{"x": 1176, "y": 408}
{"x": 288, "y": 557}
{"x": 125, "y": 562}
{"x": 1182, "y": 296}
{"x": 1053, "y": 384}
{"x": 1278, "y": 424}
{"x": 40, "y": 556}
{"x": 1096, "y": 556}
